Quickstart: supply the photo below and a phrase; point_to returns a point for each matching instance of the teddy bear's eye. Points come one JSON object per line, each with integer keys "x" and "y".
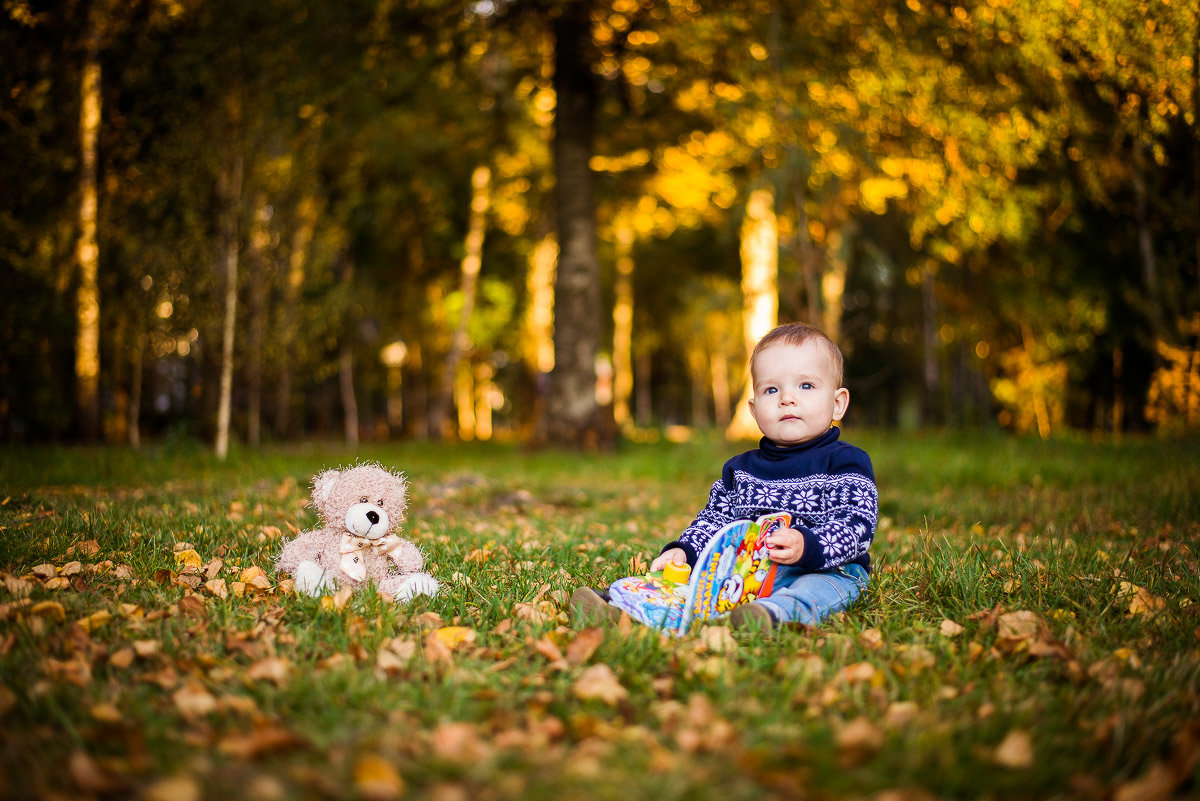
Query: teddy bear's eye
{"x": 381, "y": 502}
{"x": 363, "y": 499}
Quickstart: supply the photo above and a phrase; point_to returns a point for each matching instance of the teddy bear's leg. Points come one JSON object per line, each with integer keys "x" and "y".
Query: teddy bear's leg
{"x": 405, "y": 588}
{"x": 311, "y": 579}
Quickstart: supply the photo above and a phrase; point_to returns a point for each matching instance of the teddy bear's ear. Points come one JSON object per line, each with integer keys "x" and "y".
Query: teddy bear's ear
{"x": 323, "y": 485}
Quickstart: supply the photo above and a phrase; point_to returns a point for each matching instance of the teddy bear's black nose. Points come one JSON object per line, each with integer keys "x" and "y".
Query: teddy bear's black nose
{"x": 373, "y": 517}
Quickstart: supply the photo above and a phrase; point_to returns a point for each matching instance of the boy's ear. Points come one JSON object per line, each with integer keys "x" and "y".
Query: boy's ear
{"x": 841, "y": 402}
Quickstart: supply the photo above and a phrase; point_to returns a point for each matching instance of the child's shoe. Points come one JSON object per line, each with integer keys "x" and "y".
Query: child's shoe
{"x": 751, "y": 616}
{"x": 590, "y": 608}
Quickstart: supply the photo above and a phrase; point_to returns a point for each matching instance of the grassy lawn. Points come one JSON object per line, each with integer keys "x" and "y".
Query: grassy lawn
{"x": 1032, "y": 630}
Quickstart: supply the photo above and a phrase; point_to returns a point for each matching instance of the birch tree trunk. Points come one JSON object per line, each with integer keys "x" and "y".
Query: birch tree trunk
{"x": 87, "y": 304}
{"x": 472, "y": 261}
{"x": 230, "y": 191}
{"x": 760, "y": 294}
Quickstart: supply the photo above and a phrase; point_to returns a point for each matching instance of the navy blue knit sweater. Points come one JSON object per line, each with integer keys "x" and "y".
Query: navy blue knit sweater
{"x": 827, "y": 485}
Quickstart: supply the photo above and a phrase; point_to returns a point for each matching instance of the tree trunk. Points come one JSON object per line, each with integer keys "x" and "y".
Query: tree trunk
{"x": 623, "y": 328}
{"x": 931, "y": 407}
{"x": 346, "y": 388}
{"x": 256, "y": 333}
{"x": 573, "y": 416}
{"x": 87, "y": 305}
{"x": 833, "y": 283}
{"x": 230, "y": 191}
{"x": 760, "y": 294}
{"x": 472, "y": 261}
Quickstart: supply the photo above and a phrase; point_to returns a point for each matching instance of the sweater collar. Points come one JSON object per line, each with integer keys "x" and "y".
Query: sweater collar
{"x": 771, "y": 450}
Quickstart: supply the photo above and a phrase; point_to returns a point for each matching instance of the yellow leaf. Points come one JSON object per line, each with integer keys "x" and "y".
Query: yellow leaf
{"x": 106, "y": 713}
{"x": 173, "y": 788}
{"x": 599, "y": 683}
{"x": 188, "y": 558}
{"x": 1015, "y": 750}
{"x": 95, "y": 620}
{"x": 453, "y": 636}
{"x": 377, "y": 779}
{"x": 49, "y": 609}
{"x": 57, "y": 583}
{"x": 342, "y": 596}
{"x": 251, "y": 573}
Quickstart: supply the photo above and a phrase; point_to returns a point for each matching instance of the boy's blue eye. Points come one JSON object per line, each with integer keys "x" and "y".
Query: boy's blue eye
{"x": 806, "y": 385}
{"x": 770, "y": 391}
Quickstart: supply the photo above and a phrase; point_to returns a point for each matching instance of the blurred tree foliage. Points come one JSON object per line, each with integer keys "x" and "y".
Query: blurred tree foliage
{"x": 995, "y": 204}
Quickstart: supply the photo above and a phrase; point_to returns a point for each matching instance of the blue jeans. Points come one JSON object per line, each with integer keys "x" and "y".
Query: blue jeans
{"x": 809, "y": 598}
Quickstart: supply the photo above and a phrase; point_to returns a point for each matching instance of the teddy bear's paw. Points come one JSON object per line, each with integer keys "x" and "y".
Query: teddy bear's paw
{"x": 311, "y": 579}
{"x": 418, "y": 584}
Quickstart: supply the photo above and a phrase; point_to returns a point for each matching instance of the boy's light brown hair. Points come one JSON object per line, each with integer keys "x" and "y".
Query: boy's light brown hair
{"x": 797, "y": 334}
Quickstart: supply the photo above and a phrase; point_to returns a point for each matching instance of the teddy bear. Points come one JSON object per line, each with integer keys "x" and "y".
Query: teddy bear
{"x": 360, "y": 509}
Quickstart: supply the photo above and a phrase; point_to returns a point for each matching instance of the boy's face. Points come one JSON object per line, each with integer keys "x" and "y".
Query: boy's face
{"x": 795, "y": 396}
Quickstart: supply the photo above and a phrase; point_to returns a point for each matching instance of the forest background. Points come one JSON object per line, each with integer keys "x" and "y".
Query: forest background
{"x": 560, "y": 220}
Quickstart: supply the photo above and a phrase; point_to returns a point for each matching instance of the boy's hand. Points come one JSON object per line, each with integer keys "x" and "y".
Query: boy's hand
{"x": 675, "y": 555}
{"x": 785, "y": 546}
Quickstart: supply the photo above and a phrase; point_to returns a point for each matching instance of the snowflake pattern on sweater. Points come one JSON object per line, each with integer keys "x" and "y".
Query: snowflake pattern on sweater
{"x": 828, "y": 486}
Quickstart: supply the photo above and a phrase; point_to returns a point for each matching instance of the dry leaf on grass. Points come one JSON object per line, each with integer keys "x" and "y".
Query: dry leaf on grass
{"x": 459, "y": 742}
{"x": 193, "y": 700}
{"x": 1015, "y": 750}
{"x": 950, "y": 629}
{"x": 585, "y": 643}
{"x": 858, "y": 739}
{"x": 173, "y": 788}
{"x": 871, "y": 639}
{"x": 188, "y": 558}
{"x": 267, "y": 739}
{"x": 377, "y": 779}
{"x": 599, "y": 683}
{"x": 273, "y": 669}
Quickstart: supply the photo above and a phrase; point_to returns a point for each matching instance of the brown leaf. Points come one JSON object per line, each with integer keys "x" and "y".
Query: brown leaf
{"x": 1015, "y": 750}
{"x": 191, "y": 605}
{"x": 45, "y": 571}
{"x": 585, "y": 643}
{"x": 377, "y": 779}
{"x": 121, "y": 659}
{"x": 267, "y": 739}
{"x": 599, "y": 683}
{"x": 146, "y": 648}
{"x": 217, "y": 587}
{"x": 871, "y": 639}
{"x": 859, "y": 672}
{"x": 193, "y": 700}
{"x": 274, "y": 669}
{"x": 548, "y": 649}
{"x": 88, "y": 775}
{"x": 71, "y": 569}
{"x": 950, "y": 629}
{"x": 89, "y": 548}
{"x": 858, "y": 739}
{"x": 460, "y": 743}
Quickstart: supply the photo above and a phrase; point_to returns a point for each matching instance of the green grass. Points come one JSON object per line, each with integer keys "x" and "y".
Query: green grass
{"x": 168, "y": 696}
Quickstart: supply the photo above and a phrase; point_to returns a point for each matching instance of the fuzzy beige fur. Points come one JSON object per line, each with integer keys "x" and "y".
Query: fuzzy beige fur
{"x": 361, "y": 508}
